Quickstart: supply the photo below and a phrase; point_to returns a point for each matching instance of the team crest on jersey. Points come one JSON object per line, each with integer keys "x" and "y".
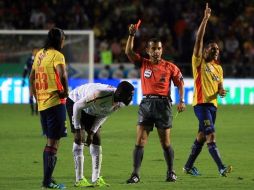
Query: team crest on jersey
{"x": 148, "y": 73}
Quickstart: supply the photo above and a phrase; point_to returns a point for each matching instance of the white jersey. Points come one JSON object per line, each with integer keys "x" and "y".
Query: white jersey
{"x": 95, "y": 99}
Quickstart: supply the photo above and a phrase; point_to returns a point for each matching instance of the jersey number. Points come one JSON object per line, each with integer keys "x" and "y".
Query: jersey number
{"x": 42, "y": 81}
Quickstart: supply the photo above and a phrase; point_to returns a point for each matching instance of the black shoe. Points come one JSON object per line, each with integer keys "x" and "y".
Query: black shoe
{"x": 133, "y": 179}
{"x": 171, "y": 176}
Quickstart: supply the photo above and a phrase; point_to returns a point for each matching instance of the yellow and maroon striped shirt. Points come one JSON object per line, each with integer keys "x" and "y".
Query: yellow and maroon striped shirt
{"x": 207, "y": 76}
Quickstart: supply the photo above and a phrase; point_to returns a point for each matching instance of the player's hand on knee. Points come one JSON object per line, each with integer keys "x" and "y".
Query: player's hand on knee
{"x": 76, "y": 126}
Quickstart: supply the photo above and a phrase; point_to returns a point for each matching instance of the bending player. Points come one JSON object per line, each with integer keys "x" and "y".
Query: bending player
{"x": 88, "y": 107}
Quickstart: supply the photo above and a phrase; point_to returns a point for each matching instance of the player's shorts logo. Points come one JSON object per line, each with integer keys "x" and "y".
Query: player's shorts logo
{"x": 147, "y": 73}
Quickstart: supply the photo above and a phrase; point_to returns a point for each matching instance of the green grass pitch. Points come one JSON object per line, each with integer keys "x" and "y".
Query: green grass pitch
{"x": 21, "y": 146}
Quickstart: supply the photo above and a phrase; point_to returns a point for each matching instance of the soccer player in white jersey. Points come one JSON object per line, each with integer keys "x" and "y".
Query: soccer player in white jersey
{"x": 88, "y": 107}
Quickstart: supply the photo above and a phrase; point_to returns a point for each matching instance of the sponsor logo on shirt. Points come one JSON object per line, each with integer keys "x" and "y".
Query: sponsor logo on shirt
{"x": 211, "y": 71}
{"x": 147, "y": 73}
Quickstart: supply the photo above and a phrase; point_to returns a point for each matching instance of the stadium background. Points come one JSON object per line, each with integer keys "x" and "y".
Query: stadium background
{"x": 175, "y": 22}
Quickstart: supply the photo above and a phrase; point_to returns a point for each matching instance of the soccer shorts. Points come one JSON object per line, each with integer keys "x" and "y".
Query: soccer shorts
{"x": 53, "y": 121}
{"x": 206, "y": 114}
{"x": 86, "y": 121}
{"x": 155, "y": 112}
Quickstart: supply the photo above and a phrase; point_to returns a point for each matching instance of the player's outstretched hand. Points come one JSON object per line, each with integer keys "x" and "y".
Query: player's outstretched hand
{"x": 207, "y": 13}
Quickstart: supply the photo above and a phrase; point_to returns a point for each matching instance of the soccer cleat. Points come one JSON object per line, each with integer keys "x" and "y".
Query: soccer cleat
{"x": 100, "y": 183}
{"x": 54, "y": 186}
{"x": 225, "y": 171}
{"x": 133, "y": 179}
{"x": 83, "y": 183}
{"x": 193, "y": 171}
{"x": 171, "y": 176}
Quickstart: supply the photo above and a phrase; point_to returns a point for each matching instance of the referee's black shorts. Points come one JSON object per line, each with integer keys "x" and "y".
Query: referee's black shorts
{"x": 155, "y": 111}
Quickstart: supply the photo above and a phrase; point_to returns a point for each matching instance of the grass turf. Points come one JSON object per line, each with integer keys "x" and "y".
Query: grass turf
{"x": 21, "y": 146}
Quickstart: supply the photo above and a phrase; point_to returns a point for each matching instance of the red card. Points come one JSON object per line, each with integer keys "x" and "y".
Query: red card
{"x": 138, "y": 24}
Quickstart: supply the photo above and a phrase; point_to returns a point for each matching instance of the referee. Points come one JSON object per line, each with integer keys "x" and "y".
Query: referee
{"x": 155, "y": 109}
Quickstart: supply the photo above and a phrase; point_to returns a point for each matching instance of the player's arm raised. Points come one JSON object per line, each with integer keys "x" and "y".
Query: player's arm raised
{"x": 201, "y": 31}
{"x": 130, "y": 43}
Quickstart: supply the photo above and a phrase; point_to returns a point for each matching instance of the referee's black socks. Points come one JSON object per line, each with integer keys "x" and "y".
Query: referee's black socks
{"x": 169, "y": 157}
{"x": 138, "y": 153}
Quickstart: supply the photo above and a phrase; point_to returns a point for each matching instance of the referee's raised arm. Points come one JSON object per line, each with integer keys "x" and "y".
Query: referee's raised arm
{"x": 132, "y": 56}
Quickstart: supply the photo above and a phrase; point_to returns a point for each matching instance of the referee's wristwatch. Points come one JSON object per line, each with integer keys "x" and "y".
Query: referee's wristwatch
{"x": 182, "y": 100}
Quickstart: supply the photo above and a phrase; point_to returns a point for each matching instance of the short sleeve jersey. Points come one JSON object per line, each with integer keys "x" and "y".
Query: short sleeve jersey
{"x": 207, "y": 76}
{"x": 47, "y": 81}
{"x": 156, "y": 78}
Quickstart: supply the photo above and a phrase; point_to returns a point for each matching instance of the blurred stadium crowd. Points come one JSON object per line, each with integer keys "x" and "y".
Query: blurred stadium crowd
{"x": 175, "y": 22}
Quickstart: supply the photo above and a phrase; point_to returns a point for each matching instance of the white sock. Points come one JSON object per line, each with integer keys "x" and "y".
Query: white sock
{"x": 78, "y": 160}
{"x": 96, "y": 153}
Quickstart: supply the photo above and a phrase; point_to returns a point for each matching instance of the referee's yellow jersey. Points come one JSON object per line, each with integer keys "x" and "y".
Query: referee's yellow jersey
{"x": 206, "y": 76}
{"x": 47, "y": 81}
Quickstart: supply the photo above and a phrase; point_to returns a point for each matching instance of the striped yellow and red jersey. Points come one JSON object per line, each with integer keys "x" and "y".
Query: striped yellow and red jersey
{"x": 47, "y": 81}
{"x": 156, "y": 78}
{"x": 207, "y": 76}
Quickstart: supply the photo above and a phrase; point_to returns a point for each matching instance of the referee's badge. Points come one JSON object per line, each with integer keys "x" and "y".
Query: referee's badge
{"x": 147, "y": 73}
